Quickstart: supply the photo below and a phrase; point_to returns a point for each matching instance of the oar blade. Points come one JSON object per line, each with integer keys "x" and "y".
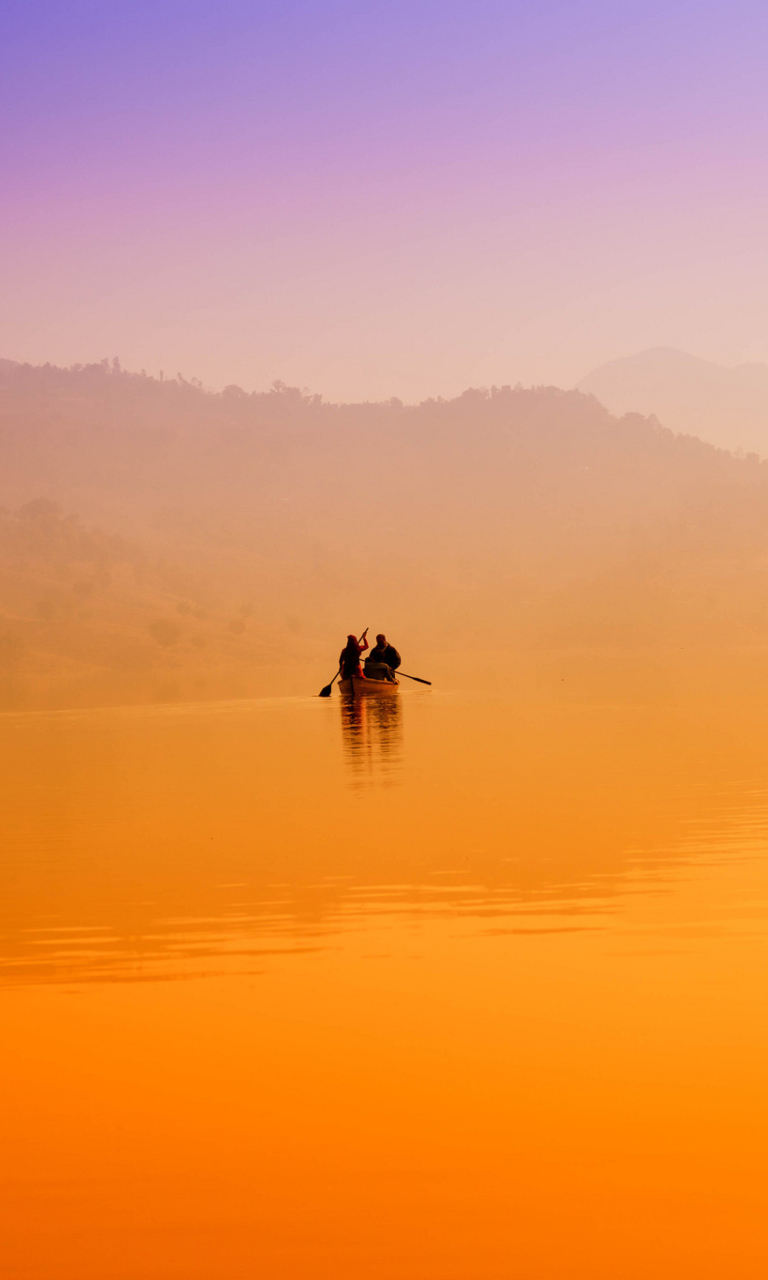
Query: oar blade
{"x": 326, "y": 692}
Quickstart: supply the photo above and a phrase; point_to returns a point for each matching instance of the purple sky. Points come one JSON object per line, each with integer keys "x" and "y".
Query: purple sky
{"x": 395, "y": 201}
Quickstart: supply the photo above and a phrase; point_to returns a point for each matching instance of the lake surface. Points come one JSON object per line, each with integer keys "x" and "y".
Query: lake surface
{"x": 467, "y": 985}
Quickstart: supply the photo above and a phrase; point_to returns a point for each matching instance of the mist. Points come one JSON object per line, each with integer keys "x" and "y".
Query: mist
{"x": 159, "y": 539}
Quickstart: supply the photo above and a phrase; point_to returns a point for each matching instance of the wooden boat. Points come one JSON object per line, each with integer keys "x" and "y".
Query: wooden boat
{"x": 354, "y": 687}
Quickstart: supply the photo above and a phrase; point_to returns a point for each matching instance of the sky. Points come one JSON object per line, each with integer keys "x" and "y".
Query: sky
{"x": 374, "y": 201}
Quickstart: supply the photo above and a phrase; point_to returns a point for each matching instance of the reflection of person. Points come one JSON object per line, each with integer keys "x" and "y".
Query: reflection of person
{"x": 349, "y": 658}
{"x": 383, "y": 660}
{"x": 372, "y": 732}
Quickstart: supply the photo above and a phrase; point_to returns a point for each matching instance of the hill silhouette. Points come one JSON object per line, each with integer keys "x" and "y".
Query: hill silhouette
{"x": 727, "y": 407}
{"x": 78, "y": 602}
{"x": 533, "y": 512}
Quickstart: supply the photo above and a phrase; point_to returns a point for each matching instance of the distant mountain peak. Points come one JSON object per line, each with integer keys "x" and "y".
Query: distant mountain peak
{"x": 726, "y": 406}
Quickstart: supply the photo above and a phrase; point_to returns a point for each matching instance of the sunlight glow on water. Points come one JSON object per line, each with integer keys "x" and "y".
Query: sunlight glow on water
{"x": 457, "y": 986}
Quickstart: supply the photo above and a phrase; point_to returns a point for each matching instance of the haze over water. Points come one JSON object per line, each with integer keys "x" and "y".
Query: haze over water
{"x": 469, "y": 984}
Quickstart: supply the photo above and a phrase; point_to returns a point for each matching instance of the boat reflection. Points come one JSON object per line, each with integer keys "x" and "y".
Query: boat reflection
{"x": 141, "y": 843}
{"x": 372, "y": 731}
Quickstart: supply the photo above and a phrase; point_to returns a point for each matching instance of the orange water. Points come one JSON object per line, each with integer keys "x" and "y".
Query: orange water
{"x": 465, "y": 987}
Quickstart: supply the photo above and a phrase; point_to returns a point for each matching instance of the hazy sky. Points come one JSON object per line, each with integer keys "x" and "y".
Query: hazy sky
{"x": 402, "y": 199}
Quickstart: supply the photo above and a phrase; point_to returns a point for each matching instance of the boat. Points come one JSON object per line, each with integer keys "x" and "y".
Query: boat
{"x": 356, "y": 686}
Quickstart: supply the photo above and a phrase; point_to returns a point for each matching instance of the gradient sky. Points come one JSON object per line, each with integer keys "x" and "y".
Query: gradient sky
{"x": 383, "y": 200}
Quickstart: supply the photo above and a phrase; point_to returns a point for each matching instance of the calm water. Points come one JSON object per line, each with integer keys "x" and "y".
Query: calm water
{"x": 462, "y": 986}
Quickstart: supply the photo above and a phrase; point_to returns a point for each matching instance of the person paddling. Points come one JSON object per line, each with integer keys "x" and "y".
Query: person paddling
{"x": 349, "y": 659}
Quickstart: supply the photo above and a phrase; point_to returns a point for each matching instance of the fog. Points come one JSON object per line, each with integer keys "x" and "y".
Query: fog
{"x": 162, "y": 540}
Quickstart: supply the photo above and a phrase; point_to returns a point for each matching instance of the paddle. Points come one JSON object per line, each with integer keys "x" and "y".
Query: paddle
{"x": 326, "y": 692}
{"x": 403, "y": 673}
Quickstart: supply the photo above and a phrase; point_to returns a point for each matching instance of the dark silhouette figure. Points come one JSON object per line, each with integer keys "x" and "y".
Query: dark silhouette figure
{"x": 383, "y": 660}
{"x": 349, "y": 658}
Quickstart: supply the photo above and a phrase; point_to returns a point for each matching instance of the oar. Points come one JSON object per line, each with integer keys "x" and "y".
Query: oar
{"x": 326, "y": 692}
{"x": 403, "y": 673}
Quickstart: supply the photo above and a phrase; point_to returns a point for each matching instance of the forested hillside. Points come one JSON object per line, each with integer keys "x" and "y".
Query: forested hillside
{"x": 290, "y": 521}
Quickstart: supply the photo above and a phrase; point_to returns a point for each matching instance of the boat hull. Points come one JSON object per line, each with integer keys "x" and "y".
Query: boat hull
{"x": 356, "y": 687}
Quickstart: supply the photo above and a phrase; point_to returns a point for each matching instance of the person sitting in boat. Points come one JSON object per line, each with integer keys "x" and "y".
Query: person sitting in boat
{"x": 349, "y": 659}
{"x": 383, "y": 660}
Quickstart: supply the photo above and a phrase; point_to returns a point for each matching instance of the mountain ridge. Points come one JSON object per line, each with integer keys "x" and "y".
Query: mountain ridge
{"x": 288, "y": 520}
{"x": 727, "y": 406}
